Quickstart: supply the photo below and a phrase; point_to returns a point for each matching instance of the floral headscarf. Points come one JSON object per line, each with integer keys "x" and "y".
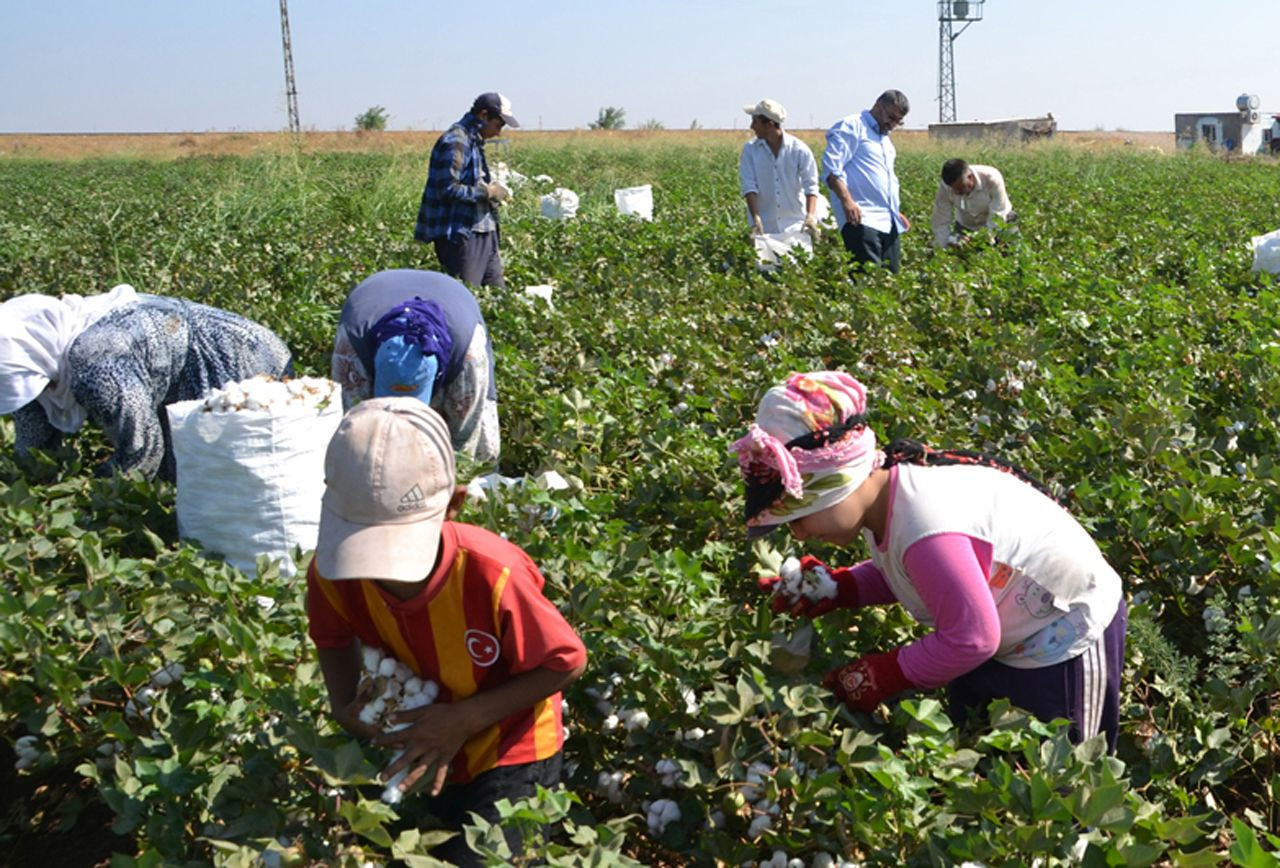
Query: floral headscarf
{"x": 808, "y": 449}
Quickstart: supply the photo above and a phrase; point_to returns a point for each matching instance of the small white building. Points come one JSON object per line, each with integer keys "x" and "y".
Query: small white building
{"x": 1247, "y": 130}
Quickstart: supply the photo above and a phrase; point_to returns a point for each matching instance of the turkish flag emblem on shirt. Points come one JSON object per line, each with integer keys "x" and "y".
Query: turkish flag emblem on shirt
{"x": 482, "y": 647}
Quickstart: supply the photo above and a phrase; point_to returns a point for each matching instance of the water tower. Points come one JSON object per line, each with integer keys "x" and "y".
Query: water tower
{"x": 950, "y": 13}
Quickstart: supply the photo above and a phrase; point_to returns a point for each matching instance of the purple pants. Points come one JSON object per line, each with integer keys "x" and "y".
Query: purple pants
{"x": 1085, "y": 690}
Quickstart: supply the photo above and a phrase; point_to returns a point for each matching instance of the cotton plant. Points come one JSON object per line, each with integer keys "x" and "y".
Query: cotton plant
{"x": 396, "y": 689}
{"x": 264, "y": 393}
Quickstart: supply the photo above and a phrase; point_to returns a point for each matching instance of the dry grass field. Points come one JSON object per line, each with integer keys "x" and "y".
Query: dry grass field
{"x": 169, "y": 146}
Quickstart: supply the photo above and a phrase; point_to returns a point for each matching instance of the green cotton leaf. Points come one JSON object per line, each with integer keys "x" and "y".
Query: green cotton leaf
{"x": 368, "y": 819}
{"x": 412, "y": 847}
{"x": 1205, "y": 858}
{"x": 1247, "y": 852}
{"x": 346, "y": 765}
{"x": 928, "y": 712}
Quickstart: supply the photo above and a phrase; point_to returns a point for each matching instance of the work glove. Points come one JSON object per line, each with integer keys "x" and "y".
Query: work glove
{"x": 497, "y": 192}
{"x": 806, "y": 605}
{"x": 811, "y": 226}
{"x": 757, "y": 226}
{"x": 870, "y": 680}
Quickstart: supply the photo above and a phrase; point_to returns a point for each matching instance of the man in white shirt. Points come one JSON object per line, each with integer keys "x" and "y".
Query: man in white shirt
{"x": 974, "y": 197}
{"x": 858, "y": 167}
{"x": 777, "y": 174}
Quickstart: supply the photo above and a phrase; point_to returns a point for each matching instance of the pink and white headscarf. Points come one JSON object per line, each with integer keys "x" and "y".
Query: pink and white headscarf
{"x": 815, "y": 475}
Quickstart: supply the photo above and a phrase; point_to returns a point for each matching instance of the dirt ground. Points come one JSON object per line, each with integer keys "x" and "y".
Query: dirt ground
{"x": 169, "y": 146}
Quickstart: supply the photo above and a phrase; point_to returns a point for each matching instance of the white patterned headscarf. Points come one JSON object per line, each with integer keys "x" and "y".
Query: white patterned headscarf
{"x": 808, "y": 449}
{"x": 35, "y": 333}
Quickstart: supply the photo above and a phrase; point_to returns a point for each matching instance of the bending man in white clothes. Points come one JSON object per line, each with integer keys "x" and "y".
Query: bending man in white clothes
{"x": 969, "y": 198}
{"x": 778, "y": 175}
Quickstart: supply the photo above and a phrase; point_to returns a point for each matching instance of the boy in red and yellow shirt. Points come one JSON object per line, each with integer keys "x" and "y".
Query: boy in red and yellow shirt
{"x": 457, "y": 604}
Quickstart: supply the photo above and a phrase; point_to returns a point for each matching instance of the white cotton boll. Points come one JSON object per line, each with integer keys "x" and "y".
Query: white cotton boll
{"x": 370, "y": 657}
{"x": 795, "y": 863}
{"x": 661, "y": 814}
{"x": 387, "y": 667}
{"x": 822, "y": 860}
{"x": 168, "y": 674}
{"x": 413, "y": 685}
{"x": 635, "y": 720}
{"x": 610, "y": 723}
{"x": 431, "y": 690}
{"x": 416, "y": 700}
{"x": 368, "y": 716}
{"x": 790, "y": 570}
{"x": 669, "y": 772}
{"x": 759, "y": 825}
{"x": 402, "y": 672}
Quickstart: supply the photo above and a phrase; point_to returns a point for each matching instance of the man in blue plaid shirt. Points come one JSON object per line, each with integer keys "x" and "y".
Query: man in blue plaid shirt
{"x": 459, "y": 212}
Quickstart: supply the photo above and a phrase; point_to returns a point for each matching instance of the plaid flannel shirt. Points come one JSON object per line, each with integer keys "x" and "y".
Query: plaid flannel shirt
{"x": 454, "y": 198}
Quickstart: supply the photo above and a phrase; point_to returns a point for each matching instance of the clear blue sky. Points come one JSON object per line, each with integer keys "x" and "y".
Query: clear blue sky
{"x": 173, "y": 65}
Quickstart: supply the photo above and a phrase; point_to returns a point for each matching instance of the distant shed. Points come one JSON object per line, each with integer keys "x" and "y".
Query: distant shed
{"x": 1247, "y": 130}
{"x": 1009, "y": 130}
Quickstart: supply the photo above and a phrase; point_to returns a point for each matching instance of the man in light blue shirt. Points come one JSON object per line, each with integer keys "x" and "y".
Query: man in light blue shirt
{"x": 858, "y": 166}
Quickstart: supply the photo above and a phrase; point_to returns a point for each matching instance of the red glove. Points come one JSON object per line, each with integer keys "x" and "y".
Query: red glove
{"x": 865, "y": 683}
{"x": 846, "y": 591}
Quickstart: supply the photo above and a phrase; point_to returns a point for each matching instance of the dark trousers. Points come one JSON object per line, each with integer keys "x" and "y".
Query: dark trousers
{"x": 473, "y": 259}
{"x": 481, "y": 795}
{"x": 1084, "y": 690}
{"x": 868, "y": 245}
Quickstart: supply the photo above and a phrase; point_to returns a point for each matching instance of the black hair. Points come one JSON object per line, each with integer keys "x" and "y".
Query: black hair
{"x": 763, "y": 491}
{"x": 953, "y": 170}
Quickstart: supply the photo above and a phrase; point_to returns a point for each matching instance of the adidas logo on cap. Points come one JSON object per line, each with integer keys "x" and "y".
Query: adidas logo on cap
{"x": 412, "y": 499}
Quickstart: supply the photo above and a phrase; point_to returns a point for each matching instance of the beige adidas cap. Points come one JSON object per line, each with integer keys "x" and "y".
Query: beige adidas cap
{"x": 388, "y": 476}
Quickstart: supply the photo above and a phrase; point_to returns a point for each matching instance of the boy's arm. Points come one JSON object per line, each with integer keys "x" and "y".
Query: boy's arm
{"x": 341, "y": 670}
{"x": 437, "y": 732}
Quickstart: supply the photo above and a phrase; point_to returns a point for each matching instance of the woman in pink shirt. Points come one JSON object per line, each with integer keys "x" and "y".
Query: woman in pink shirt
{"x": 1022, "y": 603}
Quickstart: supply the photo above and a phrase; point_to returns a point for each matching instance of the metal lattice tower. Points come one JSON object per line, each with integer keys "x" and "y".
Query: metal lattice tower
{"x": 290, "y": 87}
{"x": 949, "y": 12}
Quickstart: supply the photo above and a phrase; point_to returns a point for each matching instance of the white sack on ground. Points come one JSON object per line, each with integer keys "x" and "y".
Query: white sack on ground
{"x": 772, "y": 249}
{"x": 1266, "y": 252}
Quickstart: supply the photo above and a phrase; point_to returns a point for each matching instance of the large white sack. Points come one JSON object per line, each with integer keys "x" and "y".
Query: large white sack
{"x": 559, "y": 204}
{"x": 250, "y": 481}
{"x": 635, "y": 201}
{"x": 771, "y": 249}
{"x": 1266, "y": 252}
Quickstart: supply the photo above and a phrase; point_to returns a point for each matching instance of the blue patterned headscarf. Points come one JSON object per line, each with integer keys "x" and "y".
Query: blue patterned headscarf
{"x": 423, "y": 324}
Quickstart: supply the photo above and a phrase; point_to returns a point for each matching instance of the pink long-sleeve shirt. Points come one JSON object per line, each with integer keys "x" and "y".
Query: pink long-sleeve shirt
{"x": 950, "y": 571}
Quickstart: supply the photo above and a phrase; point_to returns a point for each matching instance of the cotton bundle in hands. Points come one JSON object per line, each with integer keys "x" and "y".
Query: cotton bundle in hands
{"x": 394, "y": 688}
{"x": 812, "y": 585}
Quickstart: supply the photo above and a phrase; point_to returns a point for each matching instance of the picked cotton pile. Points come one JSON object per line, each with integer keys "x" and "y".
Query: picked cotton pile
{"x": 268, "y": 394}
{"x": 813, "y": 585}
{"x": 395, "y": 688}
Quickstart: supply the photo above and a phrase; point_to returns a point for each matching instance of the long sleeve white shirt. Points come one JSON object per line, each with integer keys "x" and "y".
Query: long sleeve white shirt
{"x": 860, "y": 156}
{"x": 977, "y": 210}
{"x": 782, "y": 184}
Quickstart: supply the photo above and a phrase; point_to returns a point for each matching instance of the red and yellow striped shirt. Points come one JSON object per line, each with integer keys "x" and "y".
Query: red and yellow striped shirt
{"x": 480, "y": 619}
